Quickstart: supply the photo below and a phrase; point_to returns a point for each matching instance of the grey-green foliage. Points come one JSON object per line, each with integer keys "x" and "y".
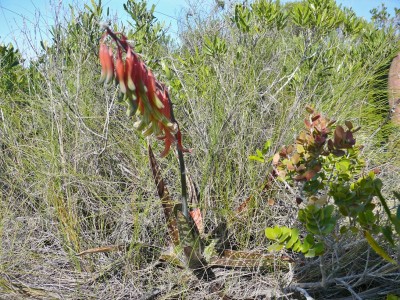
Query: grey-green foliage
{"x": 12, "y": 75}
{"x": 148, "y": 34}
{"x": 383, "y": 19}
{"x": 82, "y": 31}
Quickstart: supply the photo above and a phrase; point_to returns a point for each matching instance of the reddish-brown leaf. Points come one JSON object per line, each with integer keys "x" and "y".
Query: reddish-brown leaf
{"x": 309, "y": 109}
{"x": 339, "y": 134}
{"x": 349, "y": 125}
{"x": 309, "y": 174}
{"x": 275, "y": 159}
{"x": 316, "y": 117}
{"x": 198, "y": 219}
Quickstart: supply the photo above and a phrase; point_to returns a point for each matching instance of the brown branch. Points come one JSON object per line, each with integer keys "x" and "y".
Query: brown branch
{"x": 109, "y": 248}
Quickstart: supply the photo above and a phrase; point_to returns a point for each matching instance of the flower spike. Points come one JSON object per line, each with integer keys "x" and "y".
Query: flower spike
{"x": 143, "y": 94}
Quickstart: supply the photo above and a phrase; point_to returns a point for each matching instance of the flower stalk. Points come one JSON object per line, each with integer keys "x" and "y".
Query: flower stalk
{"x": 145, "y": 97}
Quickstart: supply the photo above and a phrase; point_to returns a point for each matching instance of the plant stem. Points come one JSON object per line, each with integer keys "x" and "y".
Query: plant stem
{"x": 182, "y": 169}
{"x": 322, "y": 268}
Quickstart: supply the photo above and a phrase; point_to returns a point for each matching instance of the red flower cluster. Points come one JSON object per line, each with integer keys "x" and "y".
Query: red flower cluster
{"x": 144, "y": 95}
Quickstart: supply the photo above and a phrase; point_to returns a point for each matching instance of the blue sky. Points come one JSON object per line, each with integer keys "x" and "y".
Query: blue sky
{"x": 18, "y": 16}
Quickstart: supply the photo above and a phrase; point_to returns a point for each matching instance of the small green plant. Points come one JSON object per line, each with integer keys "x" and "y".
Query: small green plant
{"x": 290, "y": 239}
{"x": 325, "y": 168}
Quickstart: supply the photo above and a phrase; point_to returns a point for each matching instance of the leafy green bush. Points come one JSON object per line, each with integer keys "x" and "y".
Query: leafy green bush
{"x": 327, "y": 173}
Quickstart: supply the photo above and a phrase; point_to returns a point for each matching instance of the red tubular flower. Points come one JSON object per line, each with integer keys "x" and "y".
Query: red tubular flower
{"x": 107, "y": 64}
{"x": 139, "y": 72}
{"x": 102, "y": 53}
{"x": 135, "y": 71}
{"x": 151, "y": 91}
{"x": 129, "y": 64}
{"x": 120, "y": 72}
{"x": 169, "y": 139}
{"x": 165, "y": 100}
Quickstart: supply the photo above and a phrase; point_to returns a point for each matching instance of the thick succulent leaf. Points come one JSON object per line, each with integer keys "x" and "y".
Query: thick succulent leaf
{"x": 377, "y": 248}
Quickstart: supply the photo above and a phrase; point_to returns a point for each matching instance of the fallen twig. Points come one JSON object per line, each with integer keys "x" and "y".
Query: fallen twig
{"x": 349, "y": 288}
{"x": 300, "y": 290}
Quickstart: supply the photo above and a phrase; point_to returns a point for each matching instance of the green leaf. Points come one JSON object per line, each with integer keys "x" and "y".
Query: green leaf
{"x": 167, "y": 71}
{"x": 275, "y": 247}
{"x": 310, "y": 253}
{"x": 377, "y": 248}
{"x": 328, "y": 228}
{"x": 293, "y": 239}
{"x": 297, "y": 246}
{"x": 326, "y": 215}
{"x": 312, "y": 228}
{"x": 387, "y": 233}
{"x": 378, "y": 183}
{"x": 285, "y": 234}
{"x": 319, "y": 248}
{"x": 343, "y": 229}
{"x": 343, "y": 165}
{"x": 267, "y": 145}
{"x": 185, "y": 231}
{"x": 370, "y": 217}
{"x": 272, "y": 233}
{"x": 398, "y": 213}
{"x": 257, "y": 158}
{"x": 302, "y": 215}
{"x": 308, "y": 243}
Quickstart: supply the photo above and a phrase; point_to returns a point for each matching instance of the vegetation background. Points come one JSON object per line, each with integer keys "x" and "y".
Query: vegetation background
{"x": 74, "y": 173}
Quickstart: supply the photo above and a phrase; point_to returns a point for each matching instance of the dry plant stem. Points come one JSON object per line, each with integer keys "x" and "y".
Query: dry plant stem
{"x": 348, "y": 287}
{"x": 323, "y": 274}
{"x": 300, "y": 290}
{"x": 365, "y": 269}
{"x": 381, "y": 272}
